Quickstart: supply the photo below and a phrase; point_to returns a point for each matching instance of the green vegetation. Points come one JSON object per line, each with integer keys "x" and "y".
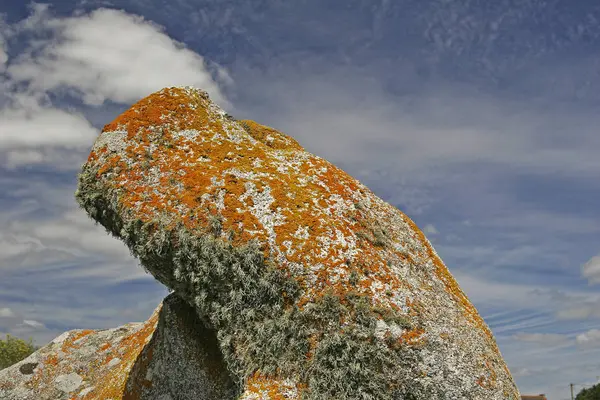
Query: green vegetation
{"x": 13, "y": 350}
{"x": 329, "y": 343}
{"x": 592, "y": 393}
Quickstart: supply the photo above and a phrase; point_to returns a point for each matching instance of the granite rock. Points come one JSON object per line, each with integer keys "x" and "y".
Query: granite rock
{"x": 314, "y": 287}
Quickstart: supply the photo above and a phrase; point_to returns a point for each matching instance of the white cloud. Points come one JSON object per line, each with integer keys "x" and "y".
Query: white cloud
{"x": 12, "y": 246}
{"x": 70, "y": 233}
{"x": 110, "y": 55}
{"x": 588, "y": 339}
{"x": 430, "y": 230}
{"x": 40, "y": 126}
{"x": 44, "y": 230}
{"x": 570, "y": 305}
{"x": 17, "y": 158}
{"x": 33, "y": 324}
{"x": 518, "y": 372}
{"x": 6, "y": 312}
{"x": 591, "y": 270}
{"x": 579, "y": 311}
{"x": 542, "y": 339}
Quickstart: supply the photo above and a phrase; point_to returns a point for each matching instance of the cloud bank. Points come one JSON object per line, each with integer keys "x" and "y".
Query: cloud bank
{"x": 104, "y": 56}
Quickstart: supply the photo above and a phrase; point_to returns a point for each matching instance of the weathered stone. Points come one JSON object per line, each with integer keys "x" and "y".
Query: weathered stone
{"x": 182, "y": 360}
{"x": 315, "y": 287}
{"x": 170, "y": 356}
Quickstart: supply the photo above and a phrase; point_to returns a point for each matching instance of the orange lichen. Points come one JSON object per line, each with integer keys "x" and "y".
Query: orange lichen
{"x": 414, "y": 337}
{"x": 272, "y": 387}
{"x": 269, "y": 136}
{"x": 127, "y": 351}
{"x": 69, "y": 343}
{"x": 152, "y": 110}
{"x": 415, "y": 307}
{"x": 51, "y": 360}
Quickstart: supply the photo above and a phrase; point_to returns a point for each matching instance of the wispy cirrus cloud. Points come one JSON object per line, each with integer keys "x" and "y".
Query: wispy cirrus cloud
{"x": 543, "y": 339}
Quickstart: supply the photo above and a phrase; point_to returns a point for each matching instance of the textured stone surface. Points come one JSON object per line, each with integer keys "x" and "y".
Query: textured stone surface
{"x": 315, "y": 287}
{"x": 170, "y": 356}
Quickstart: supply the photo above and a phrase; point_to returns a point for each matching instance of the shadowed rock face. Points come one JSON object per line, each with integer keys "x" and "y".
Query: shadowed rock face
{"x": 314, "y": 286}
{"x": 170, "y": 356}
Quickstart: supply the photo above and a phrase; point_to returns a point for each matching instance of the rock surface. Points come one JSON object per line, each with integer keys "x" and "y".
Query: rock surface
{"x": 314, "y": 287}
{"x": 171, "y": 356}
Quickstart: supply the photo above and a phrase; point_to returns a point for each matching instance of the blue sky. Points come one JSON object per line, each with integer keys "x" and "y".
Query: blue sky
{"x": 477, "y": 119}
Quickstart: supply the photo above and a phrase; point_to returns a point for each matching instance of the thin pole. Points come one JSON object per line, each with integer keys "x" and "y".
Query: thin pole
{"x": 572, "y": 398}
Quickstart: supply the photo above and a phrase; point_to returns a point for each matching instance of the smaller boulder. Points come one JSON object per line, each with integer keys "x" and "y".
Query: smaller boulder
{"x": 171, "y": 356}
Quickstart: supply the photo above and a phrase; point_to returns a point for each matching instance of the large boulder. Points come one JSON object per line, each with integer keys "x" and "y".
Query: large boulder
{"x": 171, "y": 356}
{"x": 314, "y": 286}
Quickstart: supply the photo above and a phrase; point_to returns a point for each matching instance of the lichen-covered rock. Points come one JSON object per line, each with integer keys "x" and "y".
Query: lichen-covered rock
{"x": 315, "y": 287}
{"x": 171, "y": 356}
